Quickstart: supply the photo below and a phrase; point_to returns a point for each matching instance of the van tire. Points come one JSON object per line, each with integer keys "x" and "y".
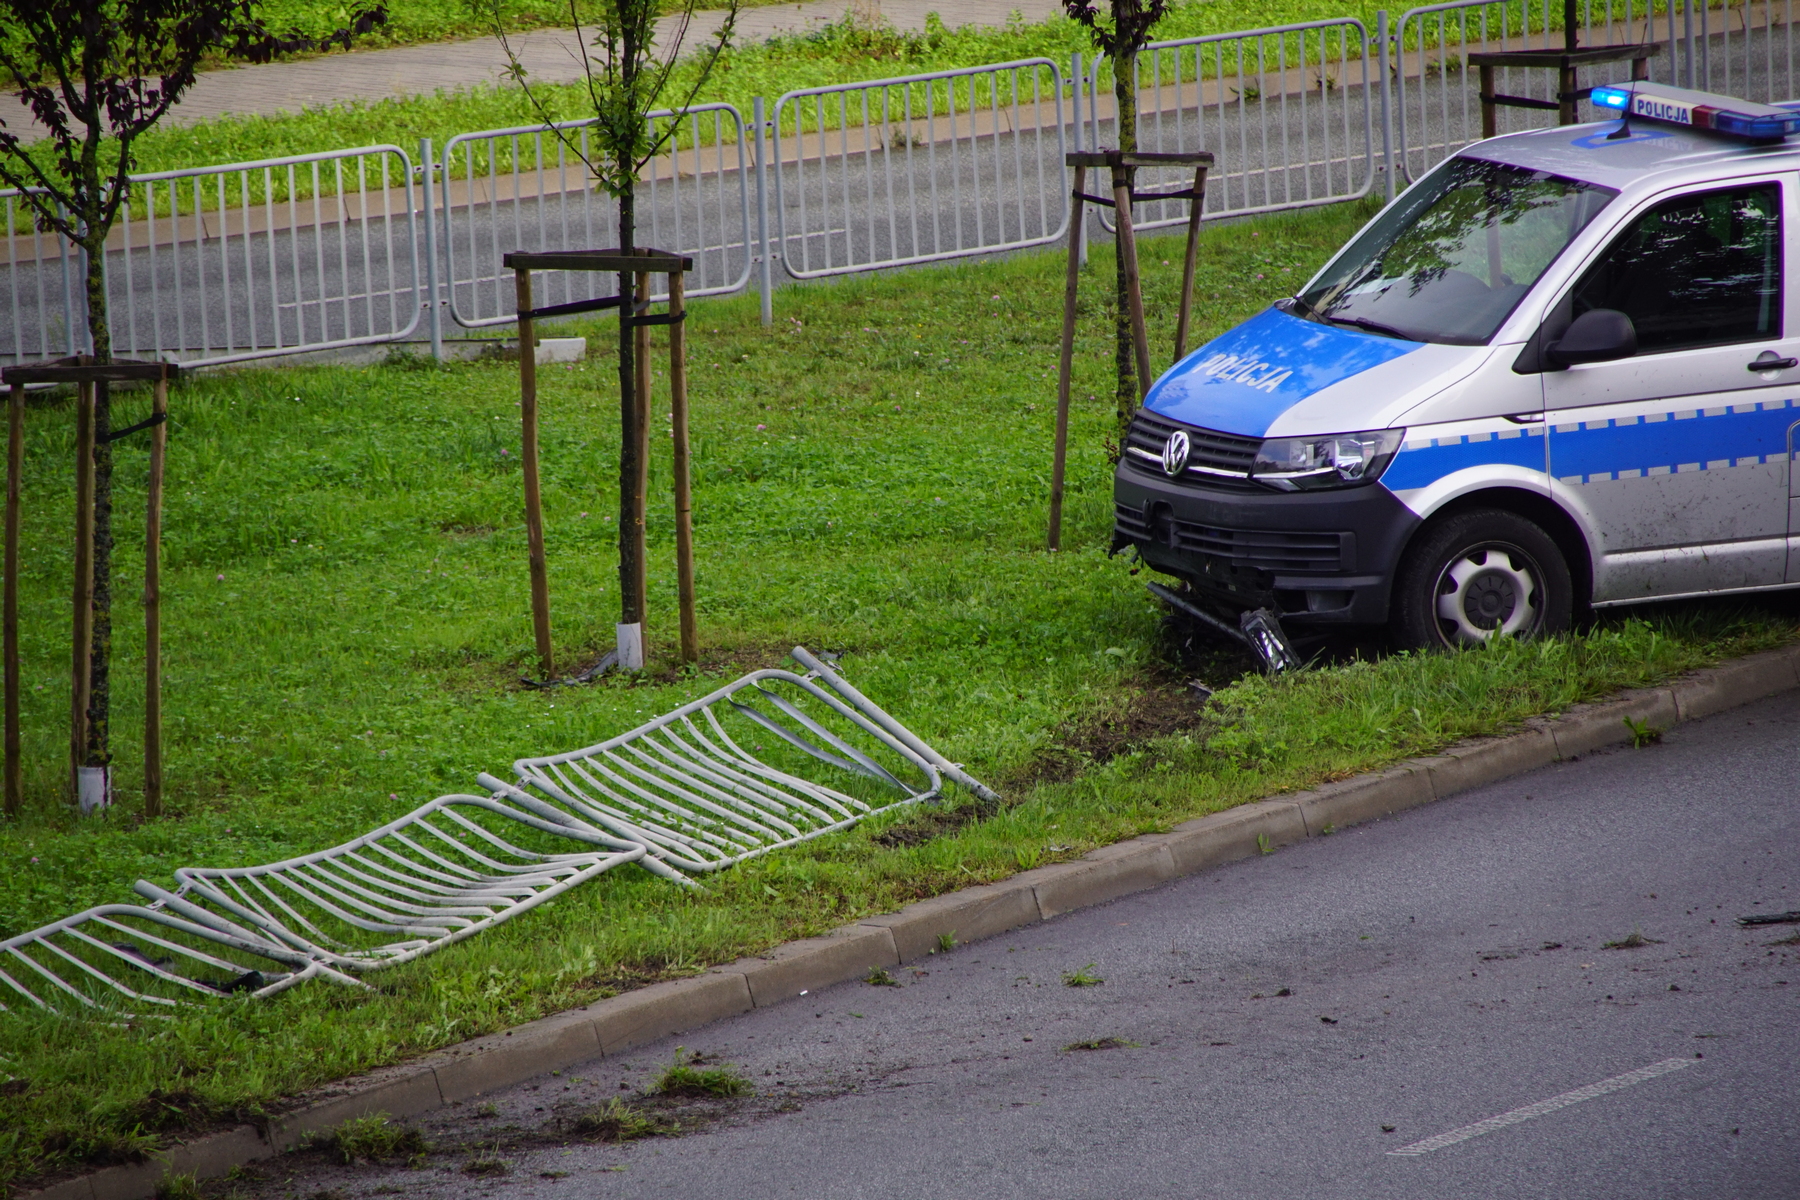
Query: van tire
{"x": 1477, "y": 573}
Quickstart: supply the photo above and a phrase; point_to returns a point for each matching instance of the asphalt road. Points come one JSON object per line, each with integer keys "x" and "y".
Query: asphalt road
{"x": 1423, "y": 973}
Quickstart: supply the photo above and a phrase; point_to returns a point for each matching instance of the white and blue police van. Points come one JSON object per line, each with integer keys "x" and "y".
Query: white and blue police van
{"x": 1561, "y": 370}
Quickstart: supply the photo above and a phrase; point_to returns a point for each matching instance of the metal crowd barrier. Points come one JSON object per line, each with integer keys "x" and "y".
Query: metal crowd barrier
{"x": 920, "y": 168}
{"x": 718, "y": 780}
{"x": 1744, "y": 48}
{"x": 686, "y": 786}
{"x": 529, "y": 188}
{"x": 1289, "y": 111}
{"x": 221, "y": 264}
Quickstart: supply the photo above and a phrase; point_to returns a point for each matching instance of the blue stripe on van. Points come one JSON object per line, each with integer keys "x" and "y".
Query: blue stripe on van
{"x": 1423, "y": 461}
{"x": 1670, "y": 443}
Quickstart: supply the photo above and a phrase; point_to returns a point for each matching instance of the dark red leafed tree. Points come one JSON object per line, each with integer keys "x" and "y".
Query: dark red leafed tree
{"x": 95, "y": 75}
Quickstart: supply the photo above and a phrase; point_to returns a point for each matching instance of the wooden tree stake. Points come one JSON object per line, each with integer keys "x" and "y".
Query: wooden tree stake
{"x": 153, "y": 757}
{"x": 83, "y": 632}
{"x": 15, "y": 470}
{"x": 684, "y": 495}
{"x": 1140, "y": 340}
{"x": 1182, "y": 320}
{"x": 528, "y": 456}
{"x": 1066, "y": 366}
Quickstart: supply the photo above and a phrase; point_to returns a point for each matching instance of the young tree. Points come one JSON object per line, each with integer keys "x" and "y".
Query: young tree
{"x": 96, "y": 74}
{"x": 627, "y": 77}
{"x": 1120, "y": 34}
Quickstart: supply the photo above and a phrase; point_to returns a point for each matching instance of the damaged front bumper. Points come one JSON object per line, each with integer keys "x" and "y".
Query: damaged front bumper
{"x": 1324, "y": 557}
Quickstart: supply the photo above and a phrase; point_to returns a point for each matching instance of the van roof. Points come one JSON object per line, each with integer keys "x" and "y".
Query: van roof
{"x": 1589, "y": 152}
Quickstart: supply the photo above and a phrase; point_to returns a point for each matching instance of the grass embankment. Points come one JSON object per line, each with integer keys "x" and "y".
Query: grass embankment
{"x": 413, "y": 21}
{"x": 346, "y": 618}
{"x": 842, "y": 52}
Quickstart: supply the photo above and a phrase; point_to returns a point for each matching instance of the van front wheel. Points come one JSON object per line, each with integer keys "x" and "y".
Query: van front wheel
{"x": 1478, "y": 575}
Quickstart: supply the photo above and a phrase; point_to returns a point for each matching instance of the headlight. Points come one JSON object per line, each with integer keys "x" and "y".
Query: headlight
{"x": 1299, "y": 464}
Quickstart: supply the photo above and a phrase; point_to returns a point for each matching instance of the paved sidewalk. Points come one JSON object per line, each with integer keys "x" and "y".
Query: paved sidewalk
{"x": 549, "y": 54}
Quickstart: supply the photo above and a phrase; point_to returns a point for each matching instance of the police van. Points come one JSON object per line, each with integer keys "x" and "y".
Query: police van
{"x": 1561, "y": 370}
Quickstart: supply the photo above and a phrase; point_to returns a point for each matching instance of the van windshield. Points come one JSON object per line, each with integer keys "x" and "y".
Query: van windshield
{"x": 1451, "y": 260}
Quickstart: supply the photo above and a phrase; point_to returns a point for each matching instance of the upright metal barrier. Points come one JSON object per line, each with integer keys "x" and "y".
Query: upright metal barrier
{"x": 222, "y": 264}
{"x": 1745, "y": 49}
{"x": 43, "y": 280}
{"x": 1289, "y": 111}
{"x": 920, "y": 168}
{"x": 1742, "y": 48}
{"x": 528, "y": 188}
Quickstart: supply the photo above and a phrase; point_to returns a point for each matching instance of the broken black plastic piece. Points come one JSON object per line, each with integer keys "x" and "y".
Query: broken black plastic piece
{"x": 1786, "y": 918}
{"x": 607, "y": 662}
{"x": 1259, "y": 629}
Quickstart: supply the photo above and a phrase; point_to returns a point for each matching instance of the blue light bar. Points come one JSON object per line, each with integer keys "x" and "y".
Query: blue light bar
{"x": 1728, "y": 115}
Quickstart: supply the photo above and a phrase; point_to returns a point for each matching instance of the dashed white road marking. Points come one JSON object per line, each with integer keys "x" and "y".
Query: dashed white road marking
{"x": 1592, "y": 1090}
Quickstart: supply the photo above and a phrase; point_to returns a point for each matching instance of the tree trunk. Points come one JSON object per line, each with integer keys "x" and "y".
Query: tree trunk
{"x": 631, "y": 567}
{"x": 100, "y": 660}
{"x": 1126, "y": 395}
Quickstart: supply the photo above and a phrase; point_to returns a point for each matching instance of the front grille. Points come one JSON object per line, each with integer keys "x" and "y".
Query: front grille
{"x": 1264, "y": 549}
{"x": 1224, "y": 552}
{"x": 1208, "y": 450}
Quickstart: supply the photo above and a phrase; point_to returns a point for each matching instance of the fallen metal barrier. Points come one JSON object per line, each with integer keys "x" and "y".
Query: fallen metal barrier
{"x": 679, "y": 793}
{"x": 686, "y": 788}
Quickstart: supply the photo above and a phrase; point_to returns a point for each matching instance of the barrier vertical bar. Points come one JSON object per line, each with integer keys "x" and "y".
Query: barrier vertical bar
{"x": 764, "y": 283}
{"x": 1387, "y": 116}
{"x": 435, "y": 310}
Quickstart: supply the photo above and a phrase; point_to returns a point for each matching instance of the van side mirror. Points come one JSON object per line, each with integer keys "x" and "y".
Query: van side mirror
{"x": 1598, "y": 335}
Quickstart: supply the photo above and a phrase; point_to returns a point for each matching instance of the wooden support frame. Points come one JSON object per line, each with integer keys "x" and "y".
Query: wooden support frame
{"x": 1124, "y": 194}
{"x": 1564, "y": 63}
{"x": 635, "y": 268}
{"x": 84, "y": 372}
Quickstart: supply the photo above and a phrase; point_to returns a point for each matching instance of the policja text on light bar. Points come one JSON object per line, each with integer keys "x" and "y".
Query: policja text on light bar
{"x": 1728, "y": 115}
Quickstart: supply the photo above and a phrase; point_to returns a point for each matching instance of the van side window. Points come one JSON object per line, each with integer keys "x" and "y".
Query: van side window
{"x": 1698, "y": 270}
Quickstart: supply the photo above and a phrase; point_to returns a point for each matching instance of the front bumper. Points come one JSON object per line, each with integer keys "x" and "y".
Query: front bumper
{"x": 1325, "y": 557}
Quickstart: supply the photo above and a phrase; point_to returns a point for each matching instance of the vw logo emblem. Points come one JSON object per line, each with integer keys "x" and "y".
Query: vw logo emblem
{"x": 1175, "y": 453}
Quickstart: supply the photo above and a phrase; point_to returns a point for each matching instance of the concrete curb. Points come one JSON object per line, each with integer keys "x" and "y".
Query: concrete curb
{"x": 662, "y": 1010}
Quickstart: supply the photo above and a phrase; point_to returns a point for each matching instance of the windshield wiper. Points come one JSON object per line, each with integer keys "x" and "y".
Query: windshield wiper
{"x": 1311, "y": 312}
{"x": 1371, "y": 326}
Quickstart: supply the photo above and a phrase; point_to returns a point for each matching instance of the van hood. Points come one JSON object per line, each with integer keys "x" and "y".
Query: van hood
{"x": 1279, "y": 375}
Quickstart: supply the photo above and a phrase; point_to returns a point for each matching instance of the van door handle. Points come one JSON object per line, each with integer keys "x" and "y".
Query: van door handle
{"x": 1768, "y": 360}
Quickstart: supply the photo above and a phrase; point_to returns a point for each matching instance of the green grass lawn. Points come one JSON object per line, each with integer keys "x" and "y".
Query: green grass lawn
{"x": 346, "y": 617}
{"x": 413, "y": 21}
